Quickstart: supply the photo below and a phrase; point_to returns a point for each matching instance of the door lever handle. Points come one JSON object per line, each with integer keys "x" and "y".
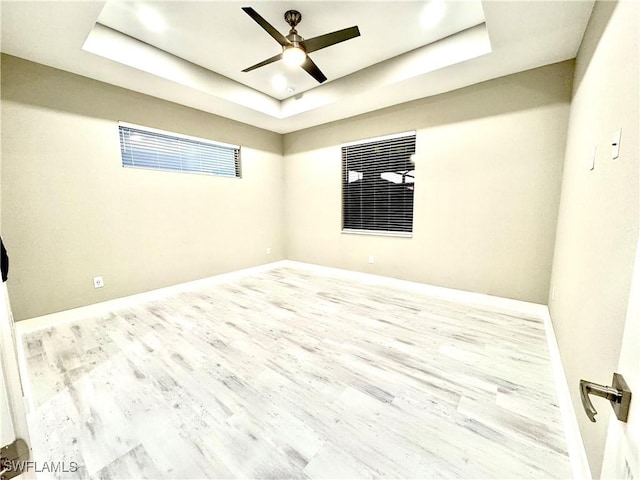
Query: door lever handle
{"x": 618, "y": 395}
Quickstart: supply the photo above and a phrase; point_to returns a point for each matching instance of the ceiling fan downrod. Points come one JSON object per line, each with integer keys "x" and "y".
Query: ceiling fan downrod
{"x": 293, "y": 18}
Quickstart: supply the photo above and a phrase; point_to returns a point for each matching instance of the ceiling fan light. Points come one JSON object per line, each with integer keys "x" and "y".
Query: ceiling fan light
{"x": 293, "y": 56}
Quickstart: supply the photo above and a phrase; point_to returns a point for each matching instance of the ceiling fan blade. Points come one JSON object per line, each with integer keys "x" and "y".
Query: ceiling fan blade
{"x": 323, "y": 41}
{"x": 275, "y": 58}
{"x": 277, "y": 36}
{"x": 313, "y": 70}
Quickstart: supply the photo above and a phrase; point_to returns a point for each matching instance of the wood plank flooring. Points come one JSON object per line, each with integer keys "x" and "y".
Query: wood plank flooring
{"x": 292, "y": 374}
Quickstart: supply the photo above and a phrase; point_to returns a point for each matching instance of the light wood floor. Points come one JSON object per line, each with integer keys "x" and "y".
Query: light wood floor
{"x": 289, "y": 374}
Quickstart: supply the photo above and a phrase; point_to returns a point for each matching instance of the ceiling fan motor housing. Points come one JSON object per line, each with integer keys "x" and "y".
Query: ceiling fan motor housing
{"x": 295, "y": 39}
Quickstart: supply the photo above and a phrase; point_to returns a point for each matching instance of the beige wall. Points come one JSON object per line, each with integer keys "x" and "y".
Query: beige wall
{"x": 489, "y": 167}
{"x": 598, "y": 217}
{"x": 71, "y": 212}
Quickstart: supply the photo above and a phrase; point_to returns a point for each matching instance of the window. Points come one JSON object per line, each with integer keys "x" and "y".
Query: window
{"x": 378, "y": 184}
{"x": 143, "y": 147}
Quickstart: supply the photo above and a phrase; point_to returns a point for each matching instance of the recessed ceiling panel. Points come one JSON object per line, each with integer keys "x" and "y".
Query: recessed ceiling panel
{"x": 220, "y": 37}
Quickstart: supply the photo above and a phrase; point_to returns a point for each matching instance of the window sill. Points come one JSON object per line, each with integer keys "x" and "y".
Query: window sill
{"x": 379, "y": 233}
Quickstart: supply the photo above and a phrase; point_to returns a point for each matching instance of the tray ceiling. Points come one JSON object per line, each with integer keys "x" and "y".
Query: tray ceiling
{"x": 193, "y": 53}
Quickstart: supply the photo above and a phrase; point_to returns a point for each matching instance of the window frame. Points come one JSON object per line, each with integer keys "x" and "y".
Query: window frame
{"x": 190, "y": 138}
{"x": 343, "y": 172}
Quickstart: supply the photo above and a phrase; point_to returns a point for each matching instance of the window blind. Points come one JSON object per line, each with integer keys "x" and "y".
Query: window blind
{"x": 153, "y": 149}
{"x": 378, "y": 180}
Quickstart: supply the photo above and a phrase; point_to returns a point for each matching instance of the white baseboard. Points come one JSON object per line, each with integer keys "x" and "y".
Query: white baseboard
{"x": 477, "y": 299}
{"x": 74, "y": 314}
{"x": 506, "y": 305}
{"x": 575, "y": 446}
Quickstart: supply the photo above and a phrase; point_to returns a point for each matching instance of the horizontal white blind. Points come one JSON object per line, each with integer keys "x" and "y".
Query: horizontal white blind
{"x": 141, "y": 148}
{"x": 378, "y": 184}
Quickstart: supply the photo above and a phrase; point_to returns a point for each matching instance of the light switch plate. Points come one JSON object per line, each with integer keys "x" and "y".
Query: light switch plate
{"x": 615, "y": 144}
{"x": 593, "y": 159}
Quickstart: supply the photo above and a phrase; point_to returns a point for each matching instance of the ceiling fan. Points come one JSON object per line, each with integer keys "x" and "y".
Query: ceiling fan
{"x": 295, "y": 49}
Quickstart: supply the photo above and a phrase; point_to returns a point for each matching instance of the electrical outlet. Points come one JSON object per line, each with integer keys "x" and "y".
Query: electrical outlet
{"x": 268, "y": 250}
{"x": 98, "y": 282}
{"x": 372, "y": 259}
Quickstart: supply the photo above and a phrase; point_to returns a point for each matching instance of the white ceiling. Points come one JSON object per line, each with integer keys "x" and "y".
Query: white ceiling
{"x": 224, "y": 39}
{"x": 195, "y": 52}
